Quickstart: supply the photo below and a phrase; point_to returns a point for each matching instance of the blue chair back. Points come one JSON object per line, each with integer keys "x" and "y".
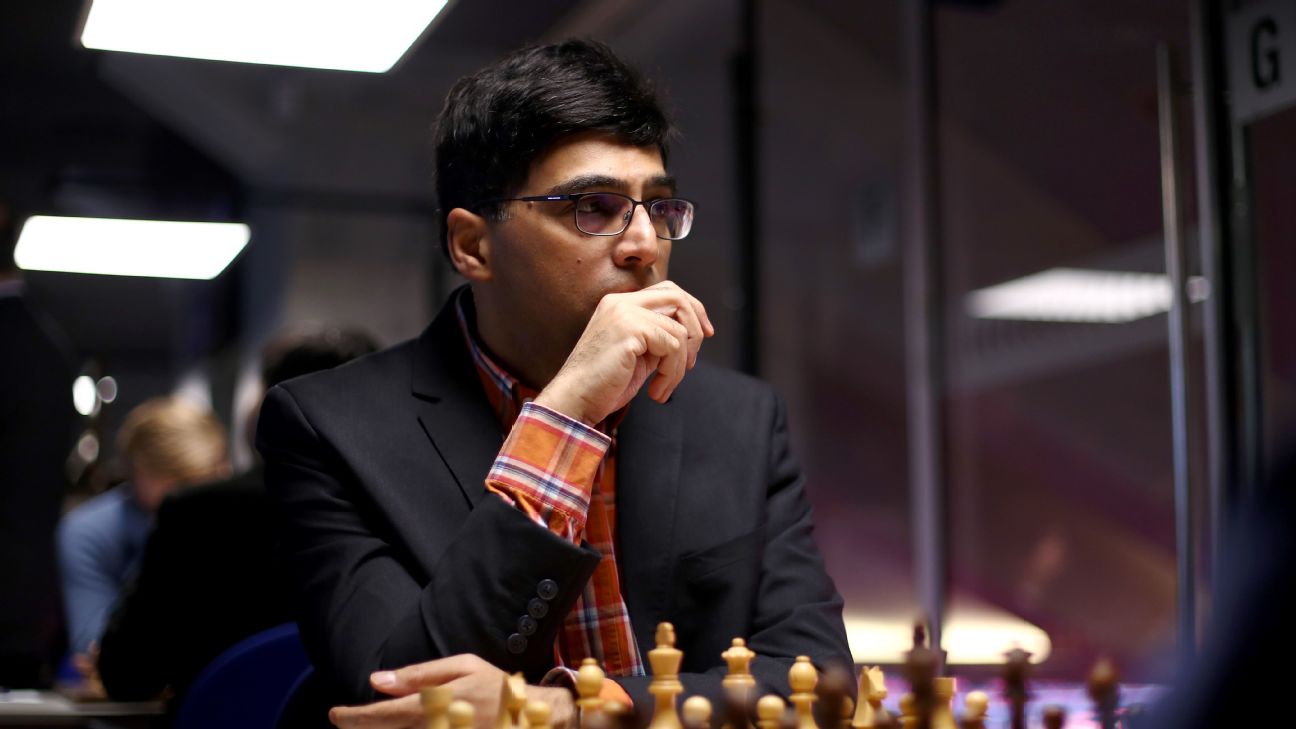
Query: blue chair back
{"x": 247, "y": 684}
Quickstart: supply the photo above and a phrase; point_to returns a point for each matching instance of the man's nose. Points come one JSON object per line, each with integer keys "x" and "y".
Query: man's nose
{"x": 638, "y": 243}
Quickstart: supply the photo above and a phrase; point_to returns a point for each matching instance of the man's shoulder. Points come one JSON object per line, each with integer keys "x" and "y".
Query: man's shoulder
{"x": 101, "y": 519}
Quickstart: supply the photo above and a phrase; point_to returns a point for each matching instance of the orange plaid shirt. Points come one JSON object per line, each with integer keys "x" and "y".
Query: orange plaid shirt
{"x": 562, "y": 473}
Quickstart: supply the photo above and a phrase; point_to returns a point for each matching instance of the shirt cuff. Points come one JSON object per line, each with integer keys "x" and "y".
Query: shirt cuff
{"x": 548, "y": 465}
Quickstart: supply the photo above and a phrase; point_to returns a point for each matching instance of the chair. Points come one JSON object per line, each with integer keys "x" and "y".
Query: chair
{"x": 246, "y": 685}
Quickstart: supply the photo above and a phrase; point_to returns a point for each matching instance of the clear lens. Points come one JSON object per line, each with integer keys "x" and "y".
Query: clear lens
{"x": 602, "y": 213}
{"x": 672, "y": 217}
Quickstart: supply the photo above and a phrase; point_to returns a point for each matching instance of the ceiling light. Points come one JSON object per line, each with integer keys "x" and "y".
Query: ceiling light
{"x": 348, "y": 36}
{"x": 1074, "y": 295}
{"x": 120, "y": 247}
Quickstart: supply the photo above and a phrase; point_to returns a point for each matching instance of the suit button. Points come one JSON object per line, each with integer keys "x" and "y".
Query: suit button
{"x": 527, "y": 625}
{"x": 516, "y": 644}
{"x": 537, "y": 608}
{"x": 547, "y": 589}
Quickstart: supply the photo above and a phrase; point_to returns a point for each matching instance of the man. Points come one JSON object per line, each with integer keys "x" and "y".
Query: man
{"x": 36, "y": 426}
{"x": 166, "y": 443}
{"x": 631, "y": 487}
{"x": 206, "y": 579}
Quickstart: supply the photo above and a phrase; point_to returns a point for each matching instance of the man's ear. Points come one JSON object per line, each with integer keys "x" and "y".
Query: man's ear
{"x": 469, "y": 244}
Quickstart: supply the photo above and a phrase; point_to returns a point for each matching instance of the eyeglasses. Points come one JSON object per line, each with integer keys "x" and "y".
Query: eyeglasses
{"x": 609, "y": 213}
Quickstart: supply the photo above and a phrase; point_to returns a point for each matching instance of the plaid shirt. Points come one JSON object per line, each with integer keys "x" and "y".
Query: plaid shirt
{"x": 562, "y": 473}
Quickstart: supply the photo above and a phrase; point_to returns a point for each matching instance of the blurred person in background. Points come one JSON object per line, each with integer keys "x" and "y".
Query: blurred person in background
{"x": 37, "y": 421}
{"x": 166, "y": 443}
{"x": 207, "y": 580}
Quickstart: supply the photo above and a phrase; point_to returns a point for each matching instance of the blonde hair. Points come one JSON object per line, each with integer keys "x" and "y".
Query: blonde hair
{"x": 174, "y": 439}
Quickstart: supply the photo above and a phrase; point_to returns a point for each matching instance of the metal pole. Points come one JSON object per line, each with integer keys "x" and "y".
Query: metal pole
{"x": 1217, "y": 342}
{"x": 924, "y": 323}
{"x": 1175, "y": 256}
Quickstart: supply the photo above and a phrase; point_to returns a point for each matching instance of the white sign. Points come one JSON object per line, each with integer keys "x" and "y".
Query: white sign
{"x": 1262, "y": 58}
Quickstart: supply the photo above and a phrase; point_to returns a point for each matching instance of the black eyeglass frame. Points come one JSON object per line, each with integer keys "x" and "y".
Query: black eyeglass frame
{"x": 576, "y": 196}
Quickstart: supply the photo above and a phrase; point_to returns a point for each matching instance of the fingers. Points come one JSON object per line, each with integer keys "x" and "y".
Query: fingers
{"x": 390, "y": 714}
{"x": 407, "y": 680}
{"x": 666, "y": 339}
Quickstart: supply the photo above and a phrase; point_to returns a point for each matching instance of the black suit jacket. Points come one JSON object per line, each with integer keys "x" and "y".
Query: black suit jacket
{"x": 398, "y": 555}
{"x": 206, "y": 581}
{"x": 36, "y": 427}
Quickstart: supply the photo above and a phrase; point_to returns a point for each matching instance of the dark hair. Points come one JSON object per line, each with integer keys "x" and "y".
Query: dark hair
{"x": 311, "y": 349}
{"x": 497, "y": 121}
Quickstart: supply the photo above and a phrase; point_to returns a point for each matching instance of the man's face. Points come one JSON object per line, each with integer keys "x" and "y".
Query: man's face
{"x": 549, "y": 275}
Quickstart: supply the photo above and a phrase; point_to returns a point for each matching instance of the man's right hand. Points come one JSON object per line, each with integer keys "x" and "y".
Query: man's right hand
{"x": 658, "y": 329}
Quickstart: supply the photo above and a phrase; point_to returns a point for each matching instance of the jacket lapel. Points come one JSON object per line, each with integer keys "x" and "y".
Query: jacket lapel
{"x": 649, "y": 448}
{"x": 451, "y": 407}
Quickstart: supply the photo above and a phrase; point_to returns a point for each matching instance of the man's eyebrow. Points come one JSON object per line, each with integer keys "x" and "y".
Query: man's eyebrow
{"x": 585, "y": 183}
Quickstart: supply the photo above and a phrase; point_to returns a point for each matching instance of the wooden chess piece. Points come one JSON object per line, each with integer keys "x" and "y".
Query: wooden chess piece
{"x": 738, "y": 680}
{"x": 619, "y": 715}
{"x": 908, "y": 711}
{"x": 769, "y": 712}
{"x": 942, "y": 716}
{"x": 833, "y": 692}
{"x": 512, "y": 701}
{"x": 436, "y": 703}
{"x": 975, "y": 706}
{"x": 460, "y": 715}
{"x": 869, "y": 712}
{"x": 665, "y": 685}
{"x": 538, "y": 714}
{"x": 802, "y": 678}
{"x": 739, "y": 707}
{"x": 920, "y": 670}
{"x": 1054, "y": 717}
{"x": 589, "y": 686}
{"x": 696, "y": 713}
{"x": 1104, "y": 690}
{"x": 1016, "y": 693}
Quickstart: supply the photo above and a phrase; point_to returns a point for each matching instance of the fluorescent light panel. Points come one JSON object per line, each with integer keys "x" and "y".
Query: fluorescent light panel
{"x": 971, "y": 637}
{"x": 1074, "y": 295}
{"x": 342, "y": 35}
{"x": 120, "y": 247}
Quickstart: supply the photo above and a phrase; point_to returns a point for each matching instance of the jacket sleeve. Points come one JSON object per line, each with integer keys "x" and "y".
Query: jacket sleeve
{"x": 362, "y": 601}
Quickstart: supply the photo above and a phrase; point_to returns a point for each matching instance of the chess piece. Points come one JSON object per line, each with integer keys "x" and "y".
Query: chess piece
{"x": 908, "y": 711}
{"x": 619, "y": 715}
{"x": 872, "y": 691}
{"x": 665, "y": 686}
{"x": 920, "y": 670}
{"x": 460, "y": 715}
{"x": 739, "y": 707}
{"x": 803, "y": 677}
{"x": 696, "y": 713}
{"x": 975, "y": 706}
{"x": 769, "y": 712}
{"x": 833, "y": 692}
{"x": 1054, "y": 717}
{"x": 436, "y": 703}
{"x": 538, "y": 714}
{"x": 739, "y": 678}
{"x": 1016, "y": 693}
{"x": 942, "y": 716}
{"x": 589, "y": 686}
{"x": 1104, "y": 690}
{"x": 512, "y": 701}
